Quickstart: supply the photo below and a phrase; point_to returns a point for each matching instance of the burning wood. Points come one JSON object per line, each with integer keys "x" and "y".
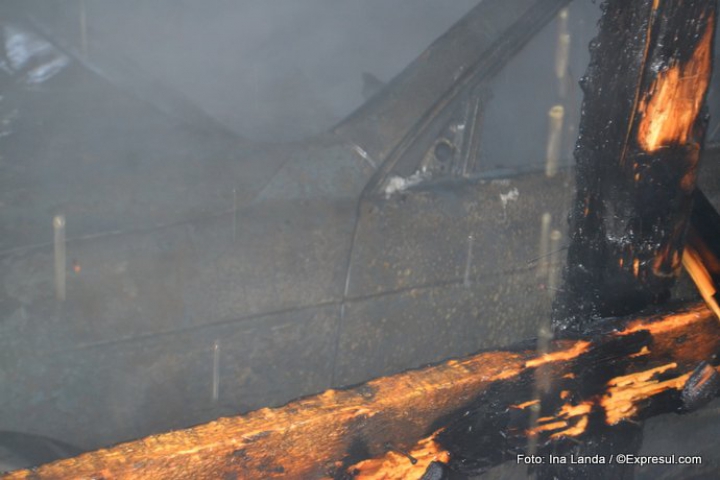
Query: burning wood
{"x": 671, "y": 105}
{"x": 637, "y": 156}
{"x": 565, "y": 414}
{"x": 637, "y": 161}
{"x": 464, "y": 415}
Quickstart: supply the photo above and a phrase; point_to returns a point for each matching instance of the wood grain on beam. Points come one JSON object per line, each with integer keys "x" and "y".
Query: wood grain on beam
{"x": 612, "y": 375}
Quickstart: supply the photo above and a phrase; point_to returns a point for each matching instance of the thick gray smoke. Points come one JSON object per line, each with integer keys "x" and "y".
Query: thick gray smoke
{"x": 271, "y": 71}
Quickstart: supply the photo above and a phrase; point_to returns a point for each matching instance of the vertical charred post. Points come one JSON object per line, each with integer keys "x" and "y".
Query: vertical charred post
{"x": 641, "y": 132}
{"x": 642, "y": 128}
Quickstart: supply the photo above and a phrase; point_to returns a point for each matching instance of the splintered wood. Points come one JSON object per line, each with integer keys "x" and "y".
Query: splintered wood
{"x": 671, "y": 105}
{"x": 398, "y": 426}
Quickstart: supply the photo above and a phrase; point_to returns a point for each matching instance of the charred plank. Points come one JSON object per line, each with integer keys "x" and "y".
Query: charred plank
{"x": 641, "y": 133}
{"x": 445, "y": 414}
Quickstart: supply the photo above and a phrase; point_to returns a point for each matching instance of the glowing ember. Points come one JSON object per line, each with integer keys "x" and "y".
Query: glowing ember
{"x": 706, "y": 374}
{"x": 621, "y": 402}
{"x": 660, "y": 263}
{"x": 562, "y": 421}
{"x": 527, "y": 404}
{"x": 311, "y": 436}
{"x": 643, "y": 351}
{"x": 396, "y": 465}
{"x": 575, "y": 351}
{"x": 675, "y": 98}
{"x": 548, "y": 427}
{"x": 573, "y": 431}
{"x": 624, "y": 394}
{"x": 677, "y": 321}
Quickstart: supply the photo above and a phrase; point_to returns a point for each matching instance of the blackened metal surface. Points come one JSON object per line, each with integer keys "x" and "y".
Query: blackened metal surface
{"x": 443, "y": 321}
{"x": 142, "y": 315}
{"x": 105, "y": 393}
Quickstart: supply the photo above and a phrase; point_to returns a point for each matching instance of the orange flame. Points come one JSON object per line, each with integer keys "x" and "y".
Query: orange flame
{"x": 395, "y": 465}
{"x": 624, "y": 394}
{"x": 527, "y": 404}
{"x": 562, "y": 421}
{"x": 674, "y": 100}
{"x": 676, "y": 321}
{"x": 577, "y": 349}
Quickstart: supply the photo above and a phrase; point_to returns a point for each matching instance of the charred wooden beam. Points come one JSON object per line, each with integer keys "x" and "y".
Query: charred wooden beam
{"x": 462, "y": 415}
{"x": 641, "y": 133}
{"x": 641, "y": 137}
{"x": 637, "y": 156}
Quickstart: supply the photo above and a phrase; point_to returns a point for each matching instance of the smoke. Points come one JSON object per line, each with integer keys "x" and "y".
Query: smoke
{"x": 271, "y": 71}
{"x": 286, "y": 70}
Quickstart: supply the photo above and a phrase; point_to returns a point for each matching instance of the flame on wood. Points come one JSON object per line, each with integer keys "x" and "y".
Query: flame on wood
{"x": 674, "y": 101}
{"x": 674, "y": 322}
{"x": 395, "y": 465}
{"x": 394, "y": 418}
{"x": 622, "y": 400}
{"x": 571, "y": 420}
{"x": 572, "y": 352}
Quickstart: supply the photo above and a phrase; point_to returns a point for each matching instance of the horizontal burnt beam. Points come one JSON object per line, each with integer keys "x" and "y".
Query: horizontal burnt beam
{"x": 464, "y": 415}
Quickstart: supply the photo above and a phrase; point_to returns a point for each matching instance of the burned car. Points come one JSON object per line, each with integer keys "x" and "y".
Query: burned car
{"x": 161, "y": 270}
